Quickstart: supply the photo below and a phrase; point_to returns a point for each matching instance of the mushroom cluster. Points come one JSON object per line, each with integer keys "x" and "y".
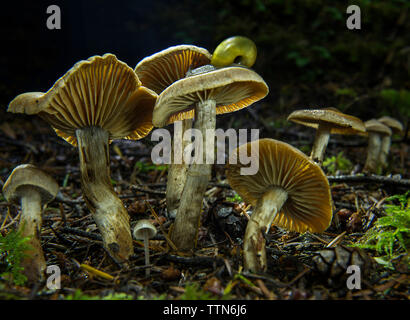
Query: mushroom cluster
{"x": 289, "y": 190}
{"x": 102, "y": 99}
{"x": 32, "y": 188}
{"x": 203, "y": 94}
{"x": 95, "y": 102}
{"x": 326, "y": 121}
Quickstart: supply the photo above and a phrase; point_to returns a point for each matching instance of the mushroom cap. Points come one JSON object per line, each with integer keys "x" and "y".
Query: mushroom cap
{"x": 376, "y": 126}
{"x": 161, "y": 69}
{"x": 308, "y": 206}
{"x": 144, "y": 226}
{"x": 232, "y": 88}
{"x": 100, "y": 91}
{"x": 27, "y": 175}
{"x": 341, "y": 123}
{"x": 392, "y": 123}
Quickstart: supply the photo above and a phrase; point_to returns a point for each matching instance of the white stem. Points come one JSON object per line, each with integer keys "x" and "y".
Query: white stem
{"x": 177, "y": 172}
{"x": 262, "y": 217}
{"x": 320, "y": 143}
{"x": 384, "y": 151}
{"x": 146, "y": 251}
{"x": 373, "y": 151}
{"x": 187, "y": 220}
{"x": 108, "y": 210}
{"x": 30, "y": 226}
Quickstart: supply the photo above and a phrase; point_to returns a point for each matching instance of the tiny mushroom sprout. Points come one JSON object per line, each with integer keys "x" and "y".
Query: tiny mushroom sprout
{"x": 157, "y": 72}
{"x": 32, "y": 188}
{"x": 145, "y": 230}
{"x": 375, "y": 132}
{"x": 396, "y": 127}
{"x": 326, "y": 121}
{"x": 95, "y": 102}
{"x": 289, "y": 190}
{"x": 206, "y": 94}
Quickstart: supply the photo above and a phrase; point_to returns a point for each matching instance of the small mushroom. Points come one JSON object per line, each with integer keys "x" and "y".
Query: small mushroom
{"x": 289, "y": 190}
{"x": 157, "y": 72}
{"x": 96, "y": 101}
{"x": 32, "y": 189}
{"x": 396, "y": 127}
{"x": 376, "y": 132}
{"x": 207, "y": 94}
{"x": 145, "y": 230}
{"x": 326, "y": 121}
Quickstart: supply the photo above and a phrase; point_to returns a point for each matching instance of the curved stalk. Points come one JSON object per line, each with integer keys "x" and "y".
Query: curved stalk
{"x": 321, "y": 141}
{"x": 187, "y": 220}
{"x": 108, "y": 210}
{"x": 146, "y": 252}
{"x": 373, "y": 151}
{"x": 261, "y": 219}
{"x": 177, "y": 171}
{"x": 384, "y": 150}
{"x": 30, "y": 225}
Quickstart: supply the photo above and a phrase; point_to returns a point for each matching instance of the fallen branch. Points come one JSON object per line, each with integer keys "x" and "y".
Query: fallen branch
{"x": 196, "y": 260}
{"x": 353, "y": 179}
{"x": 370, "y": 179}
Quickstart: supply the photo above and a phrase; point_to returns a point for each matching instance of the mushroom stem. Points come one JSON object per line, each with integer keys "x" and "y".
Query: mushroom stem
{"x": 30, "y": 226}
{"x": 187, "y": 220}
{"x": 254, "y": 242}
{"x": 177, "y": 172}
{"x": 373, "y": 151}
{"x": 384, "y": 150}
{"x": 321, "y": 141}
{"x": 108, "y": 210}
{"x": 146, "y": 252}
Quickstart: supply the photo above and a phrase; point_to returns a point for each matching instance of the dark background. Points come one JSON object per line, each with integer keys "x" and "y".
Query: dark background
{"x": 306, "y": 54}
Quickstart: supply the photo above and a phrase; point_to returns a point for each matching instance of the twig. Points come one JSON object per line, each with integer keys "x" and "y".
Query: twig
{"x": 336, "y": 240}
{"x": 160, "y": 193}
{"x": 81, "y": 233}
{"x": 355, "y": 179}
{"x": 196, "y": 260}
{"x": 370, "y": 179}
{"x": 169, "y": 241}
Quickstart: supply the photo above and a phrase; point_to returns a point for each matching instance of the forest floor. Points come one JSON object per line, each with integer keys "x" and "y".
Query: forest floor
{"x": 70, "y": 237}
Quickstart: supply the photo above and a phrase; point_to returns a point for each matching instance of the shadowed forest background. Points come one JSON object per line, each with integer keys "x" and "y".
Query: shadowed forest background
{"x": 306, "y": 54}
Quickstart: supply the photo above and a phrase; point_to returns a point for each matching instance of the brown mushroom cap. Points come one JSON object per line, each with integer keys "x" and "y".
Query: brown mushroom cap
{"x": 392, "y": 123}
{"x": 27, "y": 175}
{"x": 376, "y": 126}
{"x": 100, "y": 91}
{"x": 161, "y": 69}
{"x": 308, "y": 207}
{"x": 232, "y": 88}
{"x": 341, "y": 123}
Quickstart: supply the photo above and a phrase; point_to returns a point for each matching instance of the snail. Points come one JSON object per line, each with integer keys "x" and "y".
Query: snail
{"x": 235, "y": 51}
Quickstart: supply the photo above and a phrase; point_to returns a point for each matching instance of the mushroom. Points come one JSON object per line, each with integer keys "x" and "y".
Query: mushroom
{"x": 32, "y": 188}
{"x": 396, "y": 127}
{"x": 145, "y": 230}
{"x": 376, "y": 132}
{"x": 157, "y": 72}
{"x": 326, "y": 121}
{"x": 289, "y": 190}
{"x": 98, "y": 100}
{"x": 207, "y": 94}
